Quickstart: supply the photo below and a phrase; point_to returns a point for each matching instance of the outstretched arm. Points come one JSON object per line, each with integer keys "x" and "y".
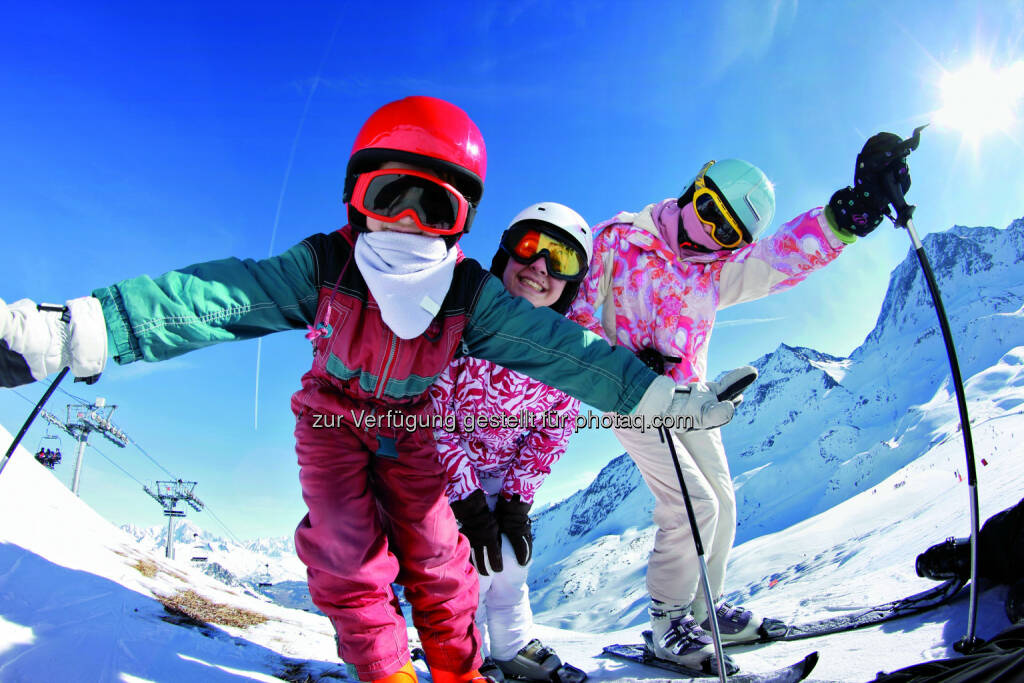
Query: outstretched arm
{"x": 544, "y": 345}
{"x": 779, "y": 261}
{"x": 154, "y": 319}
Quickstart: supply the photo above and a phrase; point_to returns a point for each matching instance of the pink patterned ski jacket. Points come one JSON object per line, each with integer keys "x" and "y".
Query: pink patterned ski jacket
{"x": 506, "y": 425}
{"x": 652, "y": 297}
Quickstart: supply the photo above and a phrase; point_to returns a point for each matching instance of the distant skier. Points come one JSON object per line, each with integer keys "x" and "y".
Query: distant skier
{"x": 660, "y": 276}
{"x": 388, "y": 301}
{"x": 1000, "y": 557}
{"x": 494, "y": 471}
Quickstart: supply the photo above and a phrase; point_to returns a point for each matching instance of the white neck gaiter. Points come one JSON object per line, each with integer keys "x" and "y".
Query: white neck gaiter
{"x": 408, "y": 274}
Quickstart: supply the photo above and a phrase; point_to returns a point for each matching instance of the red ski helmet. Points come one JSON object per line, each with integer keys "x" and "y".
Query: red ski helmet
{"x": 426, "y": 132}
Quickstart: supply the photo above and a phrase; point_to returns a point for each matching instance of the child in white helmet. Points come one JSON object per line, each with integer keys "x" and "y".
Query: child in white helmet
{"x": 508, "y": 430}
{"x": 659, "y": 277}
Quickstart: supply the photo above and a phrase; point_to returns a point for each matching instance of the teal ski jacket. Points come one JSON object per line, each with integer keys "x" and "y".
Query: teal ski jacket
{"x": 154, "y": 319}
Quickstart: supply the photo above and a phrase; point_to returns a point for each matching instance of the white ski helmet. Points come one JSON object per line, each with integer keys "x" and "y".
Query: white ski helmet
{"x": 566, "y": 222}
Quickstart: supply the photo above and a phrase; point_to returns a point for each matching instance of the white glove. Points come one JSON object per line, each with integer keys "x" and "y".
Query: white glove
{"x": 696, "y": 406}
{"x": 690, "y": 407}
{"x": 36, "y": 343}
{"x": 733, "y": 383}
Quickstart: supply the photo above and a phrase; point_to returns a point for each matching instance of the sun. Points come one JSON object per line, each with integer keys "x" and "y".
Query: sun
{"x": 978, "y": 99}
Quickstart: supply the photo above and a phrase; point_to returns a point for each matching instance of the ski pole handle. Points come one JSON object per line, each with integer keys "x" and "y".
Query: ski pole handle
{"x": 904, "y": 211}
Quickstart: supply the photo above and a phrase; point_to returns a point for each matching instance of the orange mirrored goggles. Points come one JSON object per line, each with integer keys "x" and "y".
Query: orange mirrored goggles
{"x": 527, "y": 242}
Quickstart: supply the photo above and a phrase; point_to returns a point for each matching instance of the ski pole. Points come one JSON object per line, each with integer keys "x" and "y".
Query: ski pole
{"x": 705, "y": 583}
{"x": 904, "y": 219}
{"x": 31, "y": 417}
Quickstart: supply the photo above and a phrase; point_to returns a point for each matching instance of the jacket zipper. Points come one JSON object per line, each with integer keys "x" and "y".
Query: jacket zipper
{"x": 387, "y": 366}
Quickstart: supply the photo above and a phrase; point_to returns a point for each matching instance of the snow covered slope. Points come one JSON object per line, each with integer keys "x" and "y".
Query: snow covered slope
{"x": 81, "y": 601}
{"x": 263, "y": 560}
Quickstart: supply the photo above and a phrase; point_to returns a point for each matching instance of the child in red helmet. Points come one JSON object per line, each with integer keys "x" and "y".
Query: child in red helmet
{"x": 389, "y": 302}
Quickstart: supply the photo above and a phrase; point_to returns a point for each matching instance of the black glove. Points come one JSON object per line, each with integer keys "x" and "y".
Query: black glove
{"x": 854, "y": 213}
{"x": 478, "y": 524}
{"x": 880, "y": 173}
{"x": 514, "y": 522}
{"x": 883, "y": 154}
{"x": 655, "y": 360}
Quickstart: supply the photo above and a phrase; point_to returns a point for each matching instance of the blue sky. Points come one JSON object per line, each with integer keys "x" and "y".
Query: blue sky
{"x": 137, "y": 139}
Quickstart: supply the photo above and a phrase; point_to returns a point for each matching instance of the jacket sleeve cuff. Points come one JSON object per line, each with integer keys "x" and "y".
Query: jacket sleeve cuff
{"x": 840, "y": 234}
{"x": 120, "y": 342}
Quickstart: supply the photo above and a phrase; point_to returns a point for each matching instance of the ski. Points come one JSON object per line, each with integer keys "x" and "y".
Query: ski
{"x": 566, "y": 673}
{"x": 774, "y": 630}
{"x": 640, "y": 654}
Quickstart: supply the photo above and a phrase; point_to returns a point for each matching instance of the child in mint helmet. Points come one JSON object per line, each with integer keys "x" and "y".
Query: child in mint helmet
{"x": 659, "y": 277}
{"x": 494, "y": 469}
{"x": 389, "y": 302}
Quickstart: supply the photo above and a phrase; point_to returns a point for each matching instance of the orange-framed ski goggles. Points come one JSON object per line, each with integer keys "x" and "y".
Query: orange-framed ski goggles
{"x": 391, "y": 194}
{"x": 527, "y": 241}
{"x": 712, "y": 211}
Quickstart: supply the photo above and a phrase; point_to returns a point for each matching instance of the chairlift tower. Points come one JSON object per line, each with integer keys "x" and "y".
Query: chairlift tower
{"x": 168, "y": 494}
{"x": 82, "y": 420}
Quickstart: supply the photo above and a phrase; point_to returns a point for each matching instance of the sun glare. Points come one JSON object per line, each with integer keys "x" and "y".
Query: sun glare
{"x": 978, "y": 99}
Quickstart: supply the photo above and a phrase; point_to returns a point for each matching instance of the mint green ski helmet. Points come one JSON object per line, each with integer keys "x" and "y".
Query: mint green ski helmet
{"x": 746, "y": 190}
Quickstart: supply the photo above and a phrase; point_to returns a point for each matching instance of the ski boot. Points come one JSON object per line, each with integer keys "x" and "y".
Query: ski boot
{"x": 676, "y": 637}
{"x": 734, "y": 623}
{"x": 950, "y": 559}
{"x": 1015, "y": 603}
{"x": 737, "y": 624}
{"x": 406, "y": 674}
{"x": 491, "y": 669}
{"x": 474, "y": 676}
{"x": 534, "y": 662}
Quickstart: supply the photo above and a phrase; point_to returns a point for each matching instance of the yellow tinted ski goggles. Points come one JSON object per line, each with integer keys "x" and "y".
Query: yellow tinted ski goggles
{"x": 713, "y": 212}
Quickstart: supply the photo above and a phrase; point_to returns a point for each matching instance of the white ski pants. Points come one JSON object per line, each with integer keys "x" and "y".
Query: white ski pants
{"x": 673, "y": 571}
{"x": 503, "y": 617}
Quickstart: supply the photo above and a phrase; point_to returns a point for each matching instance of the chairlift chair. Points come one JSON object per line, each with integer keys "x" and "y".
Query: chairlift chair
{"x": 265, "y": 581}
{"x": 48, "y": 458}
{"x": 198, "y": 558}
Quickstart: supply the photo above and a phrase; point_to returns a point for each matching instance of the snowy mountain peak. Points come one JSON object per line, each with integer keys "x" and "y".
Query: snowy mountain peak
{"x": 967, "y": 262}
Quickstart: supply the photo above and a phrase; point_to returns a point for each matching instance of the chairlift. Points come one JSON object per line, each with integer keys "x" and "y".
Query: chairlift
{"x": 198, "y": 558}
{"x": 265, "y": 581}
{"x": 48, "y": 457}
